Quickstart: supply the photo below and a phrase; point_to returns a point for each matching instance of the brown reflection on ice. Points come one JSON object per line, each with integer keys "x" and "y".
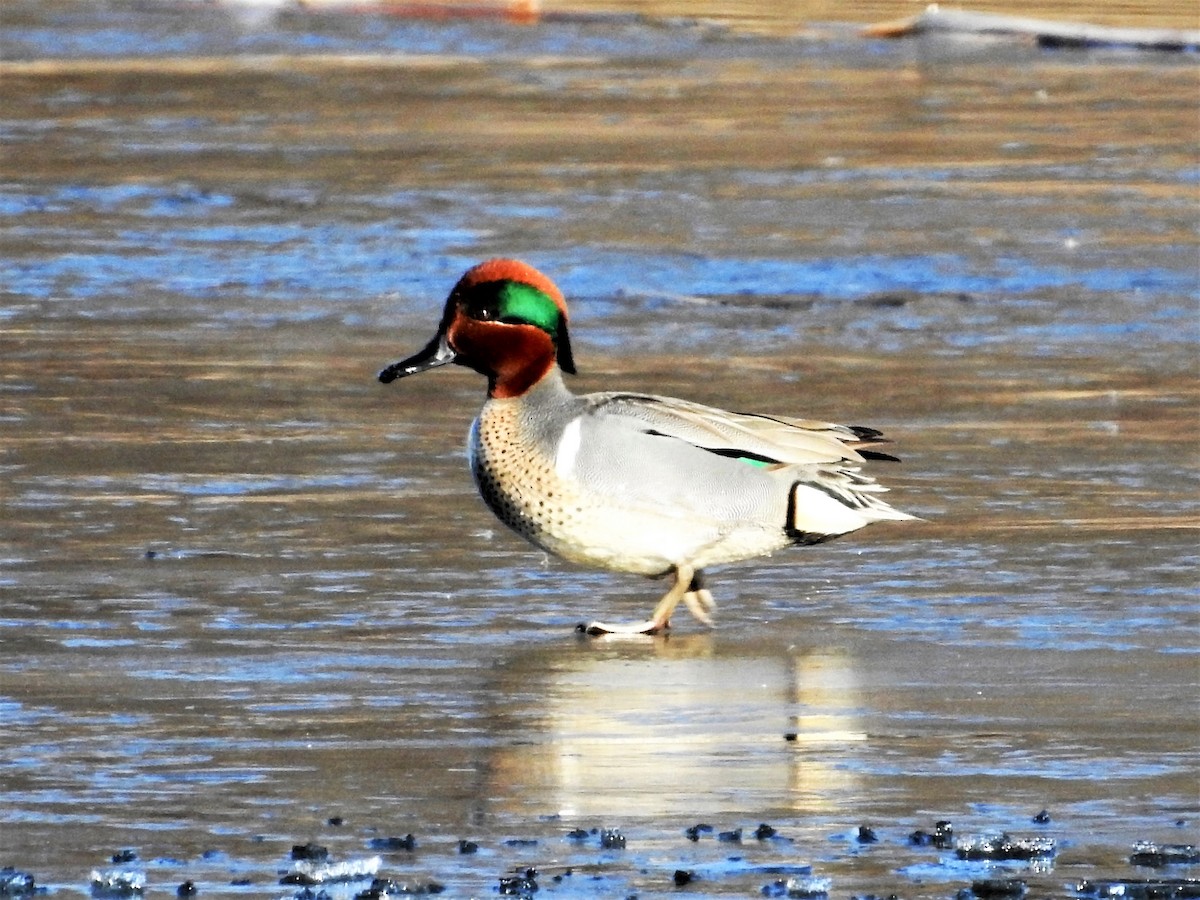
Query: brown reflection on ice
{"x": 683, "y": 727}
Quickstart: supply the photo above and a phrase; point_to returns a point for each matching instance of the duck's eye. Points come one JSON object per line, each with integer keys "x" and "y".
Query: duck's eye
{"x": 487, "y": 312}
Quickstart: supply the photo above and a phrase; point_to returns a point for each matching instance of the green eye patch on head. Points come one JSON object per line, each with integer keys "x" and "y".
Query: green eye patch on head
{"x": 524, "y": 304}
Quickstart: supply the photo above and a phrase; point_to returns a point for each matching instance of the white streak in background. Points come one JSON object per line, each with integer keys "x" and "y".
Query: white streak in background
{"x": 351, "y": 870}
{"x": 254, "y": 14}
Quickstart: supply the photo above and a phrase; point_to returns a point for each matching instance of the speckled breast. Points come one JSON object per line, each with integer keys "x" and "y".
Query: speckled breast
{"x": 516, "y": 477}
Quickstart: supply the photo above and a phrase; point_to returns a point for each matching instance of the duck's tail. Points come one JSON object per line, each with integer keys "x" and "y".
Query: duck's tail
{"x": 828, "y": 501}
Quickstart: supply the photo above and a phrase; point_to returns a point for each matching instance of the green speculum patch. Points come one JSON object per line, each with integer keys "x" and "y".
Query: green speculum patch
{"x": 757, "y": 463}
{"x": 521, "y": 303}
{"x": 750, "y": 459}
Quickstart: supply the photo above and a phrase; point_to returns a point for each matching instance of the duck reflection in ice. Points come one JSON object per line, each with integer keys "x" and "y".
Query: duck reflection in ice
{"x": 685, "y": 727}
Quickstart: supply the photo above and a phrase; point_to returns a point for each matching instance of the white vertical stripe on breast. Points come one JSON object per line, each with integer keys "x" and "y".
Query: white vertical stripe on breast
{"x": 568, "y": 448}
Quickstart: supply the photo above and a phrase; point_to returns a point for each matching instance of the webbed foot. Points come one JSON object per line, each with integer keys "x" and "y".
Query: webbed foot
{"x": 596, "y": 629}
{"x": 688, "y": 587}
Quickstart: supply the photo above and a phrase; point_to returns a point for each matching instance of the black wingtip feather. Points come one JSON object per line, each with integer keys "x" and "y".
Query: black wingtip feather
{"x": 869, "y": 435}
{"x": 876, "y": 455}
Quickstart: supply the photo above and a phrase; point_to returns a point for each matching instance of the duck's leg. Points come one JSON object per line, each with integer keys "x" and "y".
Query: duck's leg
{"x": 660, "y": 618}
{"x": 700, "y": 602}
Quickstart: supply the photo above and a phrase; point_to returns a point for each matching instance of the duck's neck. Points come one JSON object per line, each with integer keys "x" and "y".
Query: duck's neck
{"x": 517, "y": 374}
{"x": 530, "y": 384}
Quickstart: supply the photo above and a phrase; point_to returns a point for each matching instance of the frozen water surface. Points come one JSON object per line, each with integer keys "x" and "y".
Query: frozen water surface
{"x": 249, "y": 601}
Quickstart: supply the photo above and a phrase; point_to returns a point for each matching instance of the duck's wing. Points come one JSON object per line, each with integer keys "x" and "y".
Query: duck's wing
{"x": 749, "y": 436}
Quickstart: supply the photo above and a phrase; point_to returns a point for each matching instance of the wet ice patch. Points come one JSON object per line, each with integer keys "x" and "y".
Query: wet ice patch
{"x": 1154, "y": 855}
{"x": 849, "y": 276}
{"x": 1006, "y": 848}
{"x": 15, "y": 883}
{"x": 310, "y": 873}
{"x": 805, "y": 887}
{"x": 1138, "y": 888}
{"x": 118, "y": 883}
